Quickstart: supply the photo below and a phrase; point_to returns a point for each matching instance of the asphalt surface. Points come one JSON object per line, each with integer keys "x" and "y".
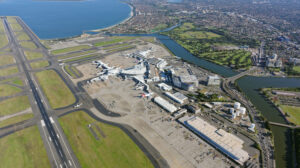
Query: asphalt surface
{"x": 63, "y": 161}
{"x": 59, "y": 151}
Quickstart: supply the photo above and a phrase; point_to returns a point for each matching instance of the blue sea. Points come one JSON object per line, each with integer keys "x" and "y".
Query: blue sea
{"x": 60, "y": 19}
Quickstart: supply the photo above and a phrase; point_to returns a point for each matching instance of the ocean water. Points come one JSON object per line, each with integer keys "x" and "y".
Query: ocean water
{"x": 60, "y": 19}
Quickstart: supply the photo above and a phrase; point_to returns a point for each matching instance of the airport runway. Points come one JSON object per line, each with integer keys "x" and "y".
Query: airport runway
{"x": 62, "y": 154}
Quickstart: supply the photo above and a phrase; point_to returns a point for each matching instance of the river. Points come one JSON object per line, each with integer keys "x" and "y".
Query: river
{"x": 250, "y": 86}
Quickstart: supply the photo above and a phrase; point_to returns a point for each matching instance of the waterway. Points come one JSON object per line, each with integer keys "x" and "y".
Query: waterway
{"x": 60, "y": 19}
{"x": 250, "y": 86}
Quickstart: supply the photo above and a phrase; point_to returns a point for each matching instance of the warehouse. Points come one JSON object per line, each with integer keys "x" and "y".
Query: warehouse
{"x": 165, "y": 104}
{"x": 229, "y": 144}
{"x": 174, "y": 98}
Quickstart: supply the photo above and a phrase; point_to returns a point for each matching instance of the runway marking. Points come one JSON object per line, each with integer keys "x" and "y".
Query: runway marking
{"x": 43, "y": 123}
{"x": 51, "y": 119}
{"x": 65, "y": 144}
{"x": 50, "y": 147}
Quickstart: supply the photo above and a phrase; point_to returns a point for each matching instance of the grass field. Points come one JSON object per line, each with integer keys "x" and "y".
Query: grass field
{"x": 14, "y": 105}
{"x": 22, "y": 36}
{"x": 116, "y": 149}
{"x": 116, "y": 46}
{"x": 56, "y": 91}
{"x": 70, "y": 49}
{"x": 27, "y": 44}
{"x": 296, "y": 69}
{"x": 293, "y": 112}
{"x": 16, "y": 27}
{"x": 198, "y": 35}
{"x": 128, "y": 47}
{"x": 72, "y": 71}
{"x": 3, "y": 40}
{"x": 11, "y": 19}
{"x": 82, "y": 57}
{"x": 2, "y": 30}
{"x": 23, "y": 149}
{"x": 8, "y": 90}
{"x": 9, "y": 71}
{"x": 16, "y": 119}
{"x": 39, "y": 64}
{"x": 159, "y": 27}
{"x": 32, "y": 55}
{"x": 16, "y": 81}
{"x": 77, "y": 54}
{"x": 114, "y": 40}
{"x": 6, "y": 59}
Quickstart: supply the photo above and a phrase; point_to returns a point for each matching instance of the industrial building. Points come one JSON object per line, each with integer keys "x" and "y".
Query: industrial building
{"x": 175, "y": 98}
{"x": 180, "y": 96}
{"x": 193, "y": 109}
{"x": 179, "y": 113}
{"x": 165, "y": 104}
{"x": 185, "y": 82}
{"x": 229, "y": 144}
{"x": 165, "y": 87}
{"x": 213, "y": 80}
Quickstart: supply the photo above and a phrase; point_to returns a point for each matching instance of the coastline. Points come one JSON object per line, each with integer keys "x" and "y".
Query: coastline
{"x": 123, "y": 21}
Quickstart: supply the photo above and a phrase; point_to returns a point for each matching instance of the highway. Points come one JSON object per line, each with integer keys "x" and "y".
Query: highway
{"x": 268, "y": 160}
{"x": 63, "y": 160}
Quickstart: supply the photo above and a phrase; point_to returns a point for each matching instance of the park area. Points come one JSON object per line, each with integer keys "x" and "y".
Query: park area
{"x": 58, "y": 97}
{"x": 293, "y": 113}
{"x": 212, "y": 45}
{"x": 23, "y": 149}
{"x": 101, "y": 144}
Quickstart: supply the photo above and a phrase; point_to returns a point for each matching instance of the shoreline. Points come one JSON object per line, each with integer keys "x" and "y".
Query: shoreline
{"x": 100, "y": 29}
{"x": 123, "y": 21}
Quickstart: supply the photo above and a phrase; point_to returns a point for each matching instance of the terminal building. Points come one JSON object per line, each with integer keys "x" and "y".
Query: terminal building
{"x": 229, "y": 144}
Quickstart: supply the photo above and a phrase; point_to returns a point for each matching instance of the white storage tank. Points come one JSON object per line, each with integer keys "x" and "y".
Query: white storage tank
{"x": 243, "y": 110}
{"x": 251, "y": 128}
{"x": 238, "y": 113}
{"x": 231, "y": 110}
{"x": 237, "y": 105}
{"x": 233, "y": 115}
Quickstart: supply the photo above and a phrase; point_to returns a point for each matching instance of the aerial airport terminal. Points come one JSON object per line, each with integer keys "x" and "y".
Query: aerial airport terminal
{"x": 167, "y": 108}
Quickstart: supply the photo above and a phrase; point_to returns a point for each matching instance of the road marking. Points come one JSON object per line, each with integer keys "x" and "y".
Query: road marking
{"x": 51, "y": 119}
{"x": 57, "y": 135}
{"x": 70, "y": 162}
{"x": 60, "y": 165}
{"x": 50, "y": 139}
{"x": 43, "y": 123}
{"x": 65, "y": 145}
{"x": 60, "y": 153}
{"x": 50, "y": 147}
